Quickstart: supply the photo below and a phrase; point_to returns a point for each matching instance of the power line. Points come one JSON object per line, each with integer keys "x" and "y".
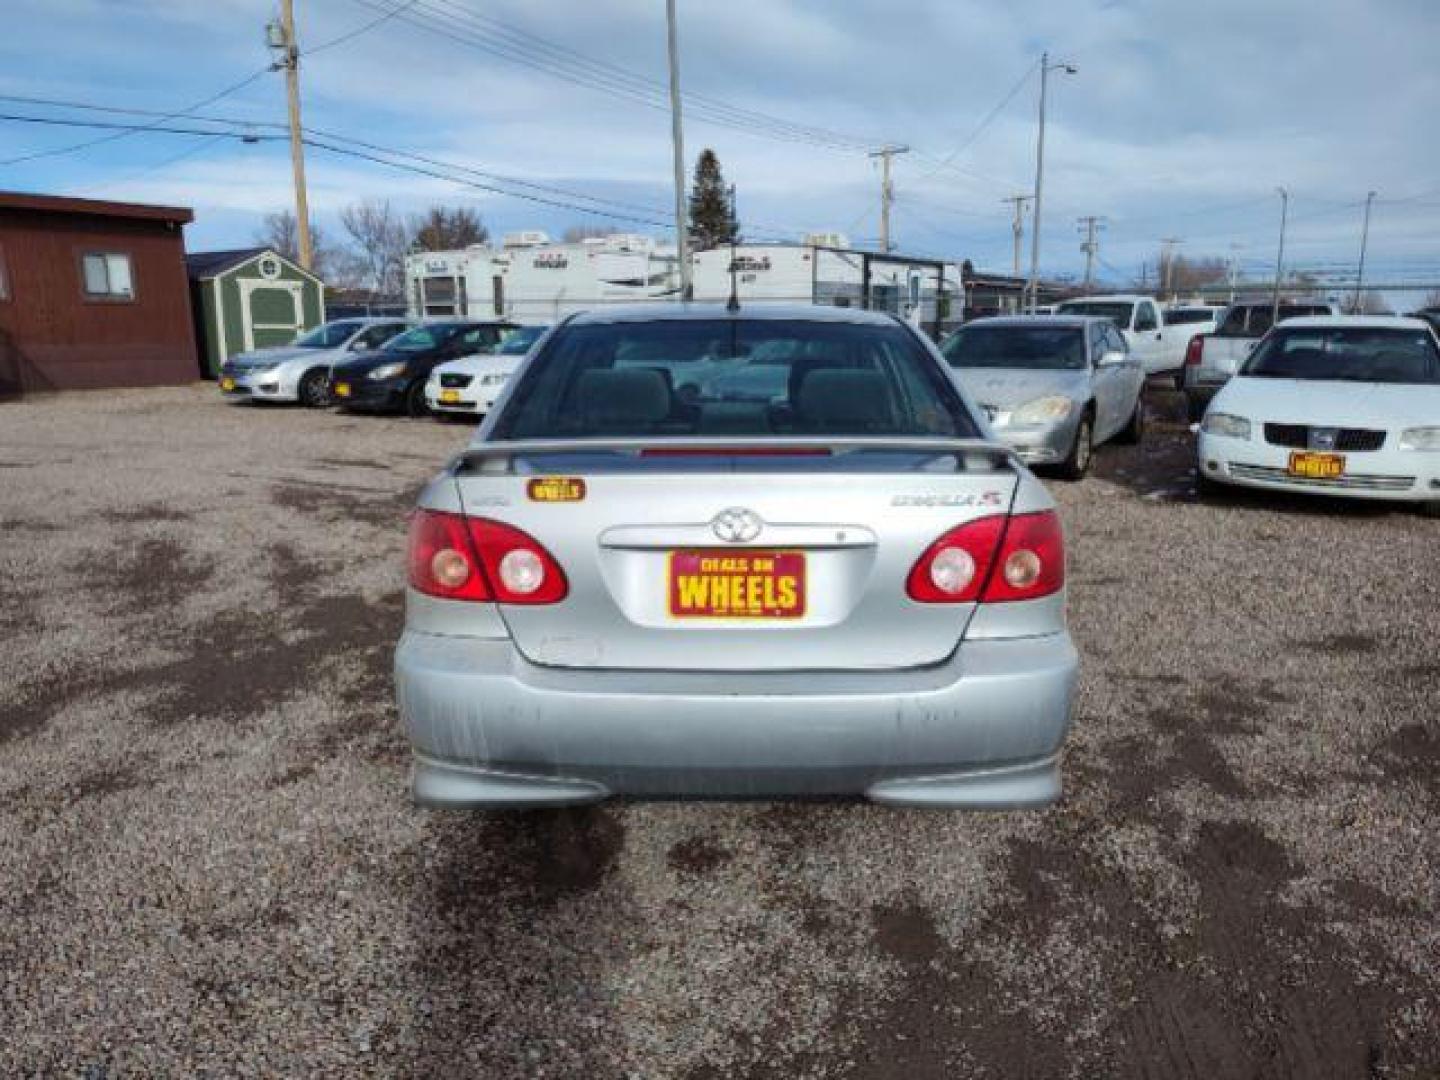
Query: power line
{"x": 362, "y": 29}
{"x": 979, "y": 128}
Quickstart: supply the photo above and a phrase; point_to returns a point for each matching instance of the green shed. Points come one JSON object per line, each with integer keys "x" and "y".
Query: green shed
{"x": 251, "y": 298}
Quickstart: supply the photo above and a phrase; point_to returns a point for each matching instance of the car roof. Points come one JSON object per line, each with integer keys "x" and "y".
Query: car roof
{"x": 1357, "y": 322}
{"x": 766, "y": 312}
{"x": 1072, "y": 321}
{"x": 1118, "y": 298}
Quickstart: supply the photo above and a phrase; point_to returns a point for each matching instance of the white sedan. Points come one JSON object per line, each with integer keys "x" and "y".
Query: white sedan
{"x": 1340, "y": 405}
{"x": 471, "y": 385}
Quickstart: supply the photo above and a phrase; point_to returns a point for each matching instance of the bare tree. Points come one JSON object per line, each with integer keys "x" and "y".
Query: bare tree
{"x": 280, "y": 230}
{"x": 381, "y": 239}
{"x": 447, "y": 229}
{"x": 575, "y": 233}
{"x": 1369, "y": 303}
{"x": 1186, "y": 274}
{"x": 1432, "y": 299}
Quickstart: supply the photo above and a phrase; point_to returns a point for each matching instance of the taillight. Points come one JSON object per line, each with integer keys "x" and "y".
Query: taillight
{"x": 459, "y": 558}
{"x": 992, "y": 560}
{"x": 1194, "y": 350}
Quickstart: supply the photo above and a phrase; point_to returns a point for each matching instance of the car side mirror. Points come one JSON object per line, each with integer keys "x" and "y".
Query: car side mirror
{"x": 1113, "y": 358}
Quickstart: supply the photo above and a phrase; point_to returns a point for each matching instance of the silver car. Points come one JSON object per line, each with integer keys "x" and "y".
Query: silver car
{"x": 300, "y": 371}
{"x": 1053, "y": 387}
{"x": 640, "y": 581}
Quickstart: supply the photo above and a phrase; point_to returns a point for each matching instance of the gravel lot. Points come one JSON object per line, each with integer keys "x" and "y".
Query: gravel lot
{"x": 209, "y": 863}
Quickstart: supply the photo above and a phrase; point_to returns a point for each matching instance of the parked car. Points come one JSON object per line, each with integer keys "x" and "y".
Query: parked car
{"x": 393, "y": 379}
{"x": 631, "y": 584}
{"x": 1158, "y": 346}
{"x": 1053, "y": 387}
{"x": 301, "y": 371}
{"x": 470, "y": 385}
{"x": 1341, "y": 405}
{"x": 1211, "y": 359}
{"x": 1430, "y": 315}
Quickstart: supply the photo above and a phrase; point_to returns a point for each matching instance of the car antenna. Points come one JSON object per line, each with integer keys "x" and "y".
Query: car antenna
{"x": 733, "y": 304}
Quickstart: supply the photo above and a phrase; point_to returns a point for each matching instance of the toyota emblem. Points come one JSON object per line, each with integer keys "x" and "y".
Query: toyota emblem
{"x": 737, "y": 525}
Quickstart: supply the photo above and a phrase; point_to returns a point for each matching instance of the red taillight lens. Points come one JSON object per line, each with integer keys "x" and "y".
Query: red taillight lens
{"x": 459, "y": 558}
{"x": 1194, "y": 350}
{"x": 992, "y": 560}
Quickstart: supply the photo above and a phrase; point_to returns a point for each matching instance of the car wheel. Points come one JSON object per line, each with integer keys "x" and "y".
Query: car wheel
{"x": 1077, "y": 462}
{"x": 1430, "y": 509}
{"x": 1208, "y": 490}
{"x": 415, "y": 404}
{"x": 314, "y": 389}
{"x": 1134, "y": 430}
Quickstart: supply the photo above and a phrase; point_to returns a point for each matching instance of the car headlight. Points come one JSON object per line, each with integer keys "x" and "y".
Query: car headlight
{"x": 1219, "y": 423}
{"x": 1420, "y": 438}
{"x": 1045, "y": 410}
{"x": 387, "y": 371}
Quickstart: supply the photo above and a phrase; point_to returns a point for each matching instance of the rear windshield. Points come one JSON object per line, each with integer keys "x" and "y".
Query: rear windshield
{"x": 1030, "y": 347}
{"x": 729, "y": 377}
{"x": 1180, "y": 316}
{"x": 1118, "y": 313}
{"x": 1348, "y": 355}
{"x": 1254, "y": 320}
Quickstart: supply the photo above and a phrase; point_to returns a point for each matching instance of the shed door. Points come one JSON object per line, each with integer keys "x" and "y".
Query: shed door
{"x": 273, "y": 312}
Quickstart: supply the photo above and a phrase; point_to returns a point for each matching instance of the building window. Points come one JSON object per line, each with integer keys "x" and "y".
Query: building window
{"x": 107, "y": 276}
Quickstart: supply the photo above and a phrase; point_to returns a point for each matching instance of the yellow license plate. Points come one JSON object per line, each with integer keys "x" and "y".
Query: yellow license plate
{"x": 227, "y": 383}
{"x": 449, "y": 397}
{"x": 737, "y": 584}
{"x": 1314, "y": 466}
{"x": 342, "y": 389}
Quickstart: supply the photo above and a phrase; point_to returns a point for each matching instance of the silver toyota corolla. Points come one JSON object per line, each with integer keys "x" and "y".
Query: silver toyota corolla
{"x": 1053, "y": 387}
{"x": 696, "y": 552}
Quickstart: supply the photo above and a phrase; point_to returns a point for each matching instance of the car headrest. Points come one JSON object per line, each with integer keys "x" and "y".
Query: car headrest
{"x": 837, "y": 397}
{"x": 610, "y": 397}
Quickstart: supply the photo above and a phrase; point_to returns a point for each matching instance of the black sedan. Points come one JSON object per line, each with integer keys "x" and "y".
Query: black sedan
{"x": 392, "y": 379}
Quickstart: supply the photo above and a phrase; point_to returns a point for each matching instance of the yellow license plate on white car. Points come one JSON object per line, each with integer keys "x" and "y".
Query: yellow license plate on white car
{"x": 449, "y": 397}
{"x": 1312, "y": 466}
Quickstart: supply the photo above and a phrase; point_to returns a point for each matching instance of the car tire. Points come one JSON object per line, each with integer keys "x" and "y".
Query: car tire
{"x": 314, "y": 389}
{"x": 1430, "y": 509}
{"x": 1134, "y": 429}
{"x": 1082, "y": 450}
{"x": 1208, "y": 490}
{"x": 415, "y": 403}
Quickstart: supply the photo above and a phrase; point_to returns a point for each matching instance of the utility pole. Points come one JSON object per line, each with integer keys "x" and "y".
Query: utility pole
{"x": 290, "y": 61}
{"x": 677, "y": 139}
{"x": 1017, "y": 227}
{"x": 1234, "y": 269}
{"x": 1092, "y": 225}
{"x": 1279, "y": 254}
{"x": 1364, "y": 240}
{"x": 1033, "y": 285}
{"x": 1167, "y": 263}
{"x": 887, "y": 190}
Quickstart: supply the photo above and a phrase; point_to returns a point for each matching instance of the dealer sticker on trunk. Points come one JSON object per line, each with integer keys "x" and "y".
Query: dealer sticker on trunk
{"x": 737, "y": 584}
{"x": 556, "y": 489}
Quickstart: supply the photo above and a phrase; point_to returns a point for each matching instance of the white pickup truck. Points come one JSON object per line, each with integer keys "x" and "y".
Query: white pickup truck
{"x": 1210, "y": 359}
{"x": 1160, "y": 348}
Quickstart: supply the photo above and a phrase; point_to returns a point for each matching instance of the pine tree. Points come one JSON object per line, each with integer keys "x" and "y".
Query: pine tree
{"x": 712, "y": 220}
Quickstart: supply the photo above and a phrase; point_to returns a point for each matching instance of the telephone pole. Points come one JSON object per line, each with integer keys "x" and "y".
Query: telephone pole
{"x": 1279, "y": 254}
{"x": 1092, "y": 224}
{"x": 290, "y": 61}
{"x": 1017, "y": 227}
{"x": 1167, "y": 263}
{"x": 1033, "y": 285}
{"x": 887, "y": 190}
{"x": 1364, "y": 239}
{"x": 1234, "y": 268}
{"x": 677, "y": 139}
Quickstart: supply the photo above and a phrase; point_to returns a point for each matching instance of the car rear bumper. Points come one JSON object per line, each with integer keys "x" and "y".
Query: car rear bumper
{"x": 489, "y": 729}
{"x": 1395, "y": 475}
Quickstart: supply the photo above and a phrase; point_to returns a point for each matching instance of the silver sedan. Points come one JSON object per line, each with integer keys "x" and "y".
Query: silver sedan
{"x": 1053, "y": 387}
{"x": 300, "y": 371}
{"x": 639, "y": 582}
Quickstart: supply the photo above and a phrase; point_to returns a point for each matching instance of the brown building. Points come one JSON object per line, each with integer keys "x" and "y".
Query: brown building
{"x": 92, "y": 294}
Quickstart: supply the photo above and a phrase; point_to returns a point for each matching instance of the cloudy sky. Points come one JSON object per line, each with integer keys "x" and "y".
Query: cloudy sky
{"x": 1181, "y": 120}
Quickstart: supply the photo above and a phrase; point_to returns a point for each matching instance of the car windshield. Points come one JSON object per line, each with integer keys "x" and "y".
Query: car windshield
{"x": 1116, "y": 312}
{"x": 1028, "y": 347}
{"x": 329, "y": 335}
{"x": 518, "y": 342}
{"x": 729, "y": 377}
{"x": 422, "y": 338}
{"x": 1352, "y": 354}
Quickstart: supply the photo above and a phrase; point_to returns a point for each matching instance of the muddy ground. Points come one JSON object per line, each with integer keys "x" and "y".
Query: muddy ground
{"x": 209, "y": 863}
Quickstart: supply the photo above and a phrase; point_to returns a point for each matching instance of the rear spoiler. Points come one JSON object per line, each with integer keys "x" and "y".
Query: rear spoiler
{"x": 971, "y": 455}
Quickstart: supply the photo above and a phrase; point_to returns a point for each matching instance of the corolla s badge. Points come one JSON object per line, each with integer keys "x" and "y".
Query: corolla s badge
{"x": 737, "y": 525}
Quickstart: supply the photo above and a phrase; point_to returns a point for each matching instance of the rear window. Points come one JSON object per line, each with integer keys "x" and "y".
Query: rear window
{"x": 1347, "y": 355}
{"x": 1181, "y": 316}
{"x": 1117, "y": 312}
{"x": 1254, "y": 320}
{"x": 729, "y": 377}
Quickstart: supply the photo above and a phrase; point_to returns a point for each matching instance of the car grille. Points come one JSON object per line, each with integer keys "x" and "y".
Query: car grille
{"x": 455, "y": 382}
{"x": 1358, "y": 482}
{"x": 1347, "y": 440}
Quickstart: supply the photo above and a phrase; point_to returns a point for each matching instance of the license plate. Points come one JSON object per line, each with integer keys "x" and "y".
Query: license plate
{"x": 1314, "y": 466}
{"x": 736, "y": 584}
{"x": 227, "y": 383}
{"x": 449, "y": 397}
{"x": 342, "y": 389}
